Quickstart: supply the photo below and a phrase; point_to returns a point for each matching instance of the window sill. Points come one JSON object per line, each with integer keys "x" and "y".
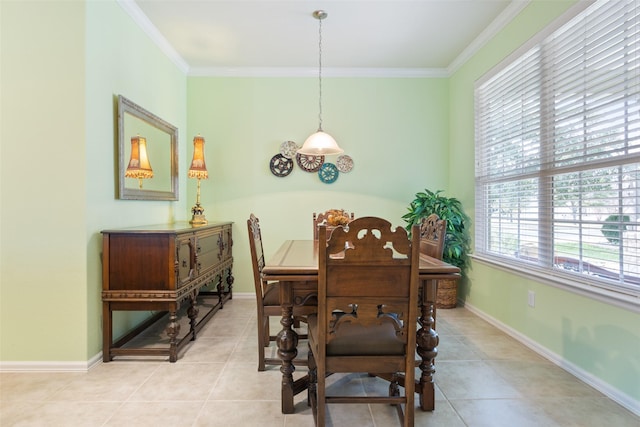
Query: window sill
{"x": 618, "y": 299}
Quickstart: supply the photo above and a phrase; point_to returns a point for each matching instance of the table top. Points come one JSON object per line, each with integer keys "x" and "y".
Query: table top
{"x": 300, "y": 258}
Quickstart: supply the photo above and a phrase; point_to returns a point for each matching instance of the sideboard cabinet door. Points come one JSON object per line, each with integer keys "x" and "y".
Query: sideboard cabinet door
{"x": 207, "y": 250}
{"x": 185, "y": 259}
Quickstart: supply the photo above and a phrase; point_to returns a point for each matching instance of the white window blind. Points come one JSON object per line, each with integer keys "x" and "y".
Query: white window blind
{"x": 558, "y": 152}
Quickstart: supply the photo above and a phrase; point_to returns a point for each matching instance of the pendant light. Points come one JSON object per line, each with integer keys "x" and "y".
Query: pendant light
{"x": 320, "y": 143}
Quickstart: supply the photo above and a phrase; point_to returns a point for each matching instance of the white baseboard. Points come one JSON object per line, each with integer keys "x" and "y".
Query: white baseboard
{"x": 80, "y": 366}
{"x": 614, "y": 394}
{"x": 244, "y": 295}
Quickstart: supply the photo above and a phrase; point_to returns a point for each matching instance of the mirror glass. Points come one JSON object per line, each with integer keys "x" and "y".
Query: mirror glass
{"x": 162, "y": 153}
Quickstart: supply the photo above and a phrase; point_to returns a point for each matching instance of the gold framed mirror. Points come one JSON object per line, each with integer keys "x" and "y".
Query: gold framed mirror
{"x": 150, "y": 174}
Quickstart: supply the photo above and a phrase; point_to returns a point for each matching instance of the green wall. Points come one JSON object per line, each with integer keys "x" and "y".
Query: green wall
{"x": 394, "y": 129}
{"x": 43, "y": 185}
{"x": 63, "y": 65}
{"x": 595, "y": 340}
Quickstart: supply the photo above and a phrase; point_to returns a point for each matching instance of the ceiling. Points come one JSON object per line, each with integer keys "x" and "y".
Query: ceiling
{"x": 359, "y": 37}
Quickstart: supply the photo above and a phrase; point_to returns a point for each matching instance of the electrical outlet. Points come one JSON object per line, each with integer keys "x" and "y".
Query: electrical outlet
{"x": 531, "y": 299}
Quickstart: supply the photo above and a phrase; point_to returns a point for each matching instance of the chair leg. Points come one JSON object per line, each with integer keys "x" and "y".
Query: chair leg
{"x": 321, "y": 380}
{"x": 313, "y": 389}
{"x": 409, "y": 411}
{"x": 394, "y": 391}
{"x": 261, "y": 345}
{"x": 265, "y": 330}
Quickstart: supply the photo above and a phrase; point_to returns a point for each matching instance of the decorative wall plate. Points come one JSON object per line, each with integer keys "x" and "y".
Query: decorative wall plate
{"x": 289, "y": 149}
{"x": 280, "y": 166}
{"x": 344, "y": 163}
{"x": 309, "y": 163}
{"x": 328, "y": 173}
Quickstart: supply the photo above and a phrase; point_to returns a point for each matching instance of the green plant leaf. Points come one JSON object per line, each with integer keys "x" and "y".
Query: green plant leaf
{"x": 458, "y": 240}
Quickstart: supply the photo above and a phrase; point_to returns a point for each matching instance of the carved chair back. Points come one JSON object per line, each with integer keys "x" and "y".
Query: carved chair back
{"x": 367, "y": 308}
{"x": 433, "y": 232}
{"x": 328, "y": 217}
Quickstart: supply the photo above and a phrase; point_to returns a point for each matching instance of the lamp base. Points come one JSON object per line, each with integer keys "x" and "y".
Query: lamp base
{"x": 198, "y": 215}
{"x": 198, "y": 220}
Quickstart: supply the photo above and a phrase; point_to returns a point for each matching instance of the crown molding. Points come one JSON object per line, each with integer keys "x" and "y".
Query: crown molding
{"x": 313, "y": 72}
{"x": 507, "y": 15}
{"x": 138, "y": 16}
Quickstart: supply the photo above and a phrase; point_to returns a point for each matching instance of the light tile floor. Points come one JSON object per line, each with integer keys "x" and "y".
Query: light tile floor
{"x": 483, "y": 378}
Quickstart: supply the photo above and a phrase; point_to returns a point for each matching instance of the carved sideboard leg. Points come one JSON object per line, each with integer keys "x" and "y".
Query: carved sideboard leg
{"x": 287, "y": 341}
{"x": 107, "y": 325}
{"x": 173, "y": 329}
{"x": 230, "y": 281}
{"x": 220, "y": 290}
{"x": 427, "y": 342}
{"x": 192, "y": 313}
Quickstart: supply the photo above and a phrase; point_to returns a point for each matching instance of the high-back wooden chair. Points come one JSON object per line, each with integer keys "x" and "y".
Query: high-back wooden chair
{"x": 268, "y": 297}
{"x": 323, "y": 218}
{"x": 433, "y": 231}
{"x": 367, "y": 311}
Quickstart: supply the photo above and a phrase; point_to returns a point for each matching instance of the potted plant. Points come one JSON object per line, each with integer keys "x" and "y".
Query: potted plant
{"x": 457, "y": 243}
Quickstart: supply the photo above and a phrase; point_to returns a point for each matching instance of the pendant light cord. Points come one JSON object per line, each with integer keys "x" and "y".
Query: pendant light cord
{"x": 320, "y": 75}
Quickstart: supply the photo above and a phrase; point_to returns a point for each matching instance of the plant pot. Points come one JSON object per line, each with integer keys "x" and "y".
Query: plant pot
{"x": 447, "y": 295}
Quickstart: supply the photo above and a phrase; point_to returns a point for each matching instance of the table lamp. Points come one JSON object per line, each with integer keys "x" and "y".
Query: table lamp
{"x": 198, "y": 169}
{"x": 139, "y": 165}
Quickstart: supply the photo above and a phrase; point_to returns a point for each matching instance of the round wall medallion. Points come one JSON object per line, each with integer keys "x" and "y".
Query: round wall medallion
{"x": 289, "y": 149}
{"x": 309, "y": 163}
{"x": 344, "y": 163}
{"x": 280, "y": 166}
{"x": 328, "y": 173}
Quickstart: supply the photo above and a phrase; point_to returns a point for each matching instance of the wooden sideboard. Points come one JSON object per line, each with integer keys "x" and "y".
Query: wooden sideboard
{"x": 158, "y": 268}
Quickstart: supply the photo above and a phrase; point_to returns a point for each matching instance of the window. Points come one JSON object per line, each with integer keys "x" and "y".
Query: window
{"x": 558, "y": 153}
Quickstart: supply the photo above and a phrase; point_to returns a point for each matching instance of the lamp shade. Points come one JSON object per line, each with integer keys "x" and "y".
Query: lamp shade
{"x": 139, "y": 165}
{"x": 320, "y": 144}
{"x": 198, "y": 168}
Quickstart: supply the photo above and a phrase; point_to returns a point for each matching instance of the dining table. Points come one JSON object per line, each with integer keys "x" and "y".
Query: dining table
{"x": 295, "y": 266}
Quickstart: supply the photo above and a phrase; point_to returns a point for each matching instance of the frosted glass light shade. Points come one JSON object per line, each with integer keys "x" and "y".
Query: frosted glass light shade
{"x": 320, "y": 144}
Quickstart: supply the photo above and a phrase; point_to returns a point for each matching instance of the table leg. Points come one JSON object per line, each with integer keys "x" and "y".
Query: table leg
{"x": 427, "y": 343}
{"x": 287, "y": 341}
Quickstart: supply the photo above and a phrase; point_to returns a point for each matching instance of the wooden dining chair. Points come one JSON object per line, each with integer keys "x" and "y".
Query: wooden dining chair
{"x": 268, "y": 298}
{"x": 323, "y": 218}
{"x": 433, "y": 232}
{"x": 367, "y": 312}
